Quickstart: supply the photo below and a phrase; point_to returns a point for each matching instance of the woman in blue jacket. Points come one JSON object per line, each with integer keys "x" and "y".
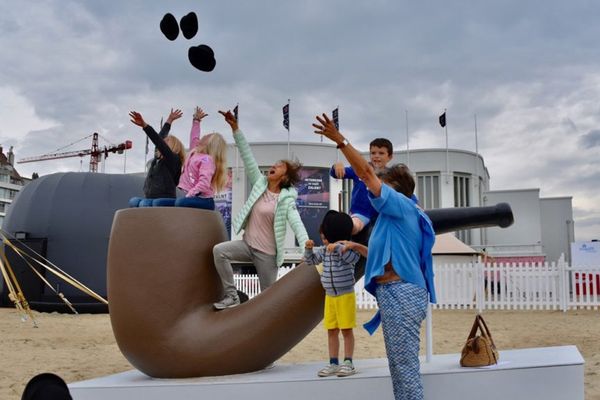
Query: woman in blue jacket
{"x": 399, "y": 271}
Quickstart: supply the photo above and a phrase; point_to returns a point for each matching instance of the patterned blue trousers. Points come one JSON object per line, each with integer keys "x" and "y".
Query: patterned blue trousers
{"x": 403, "y": 306}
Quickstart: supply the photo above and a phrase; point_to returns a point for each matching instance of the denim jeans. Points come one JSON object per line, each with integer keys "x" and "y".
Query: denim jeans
{"x": 143, "y": 202}
{"x": 206, "y": 203}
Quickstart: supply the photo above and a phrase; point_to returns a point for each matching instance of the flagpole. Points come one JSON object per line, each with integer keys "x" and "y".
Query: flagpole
{"x": 146, "y": 155}
{"x": 477, "y": 161}
{"x": 446, "y": 129}
{"x": 407, "y": 146}
{"x": 288, "y": 129}
{"x": 476, "y": 147}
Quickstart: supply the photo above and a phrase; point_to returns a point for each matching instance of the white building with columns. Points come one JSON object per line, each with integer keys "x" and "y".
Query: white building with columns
{"x": 543, "y": 228}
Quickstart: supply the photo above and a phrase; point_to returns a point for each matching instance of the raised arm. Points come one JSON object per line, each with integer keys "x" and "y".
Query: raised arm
{"x": 250, "y": 163}
{"x": 159, "y": 142}
{"x": 166, "y": 128}
{"x": 195, "y": 131}
{"x": 361, "y": 167}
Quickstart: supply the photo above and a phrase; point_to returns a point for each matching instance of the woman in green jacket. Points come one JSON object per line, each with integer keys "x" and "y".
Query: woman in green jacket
{"x": 271, "y": 205}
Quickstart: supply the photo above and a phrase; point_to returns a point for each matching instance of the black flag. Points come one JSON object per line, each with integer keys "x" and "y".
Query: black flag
{"x": 336, "y": 120}
{"x": 286, "y": 116}
{"x": 235, "y": 112}
{"x": 443, "y": 119}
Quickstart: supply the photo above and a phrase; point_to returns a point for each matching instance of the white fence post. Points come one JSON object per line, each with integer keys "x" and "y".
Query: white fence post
{"x": 563, "y": 279}
{"x": 479, "y": 286}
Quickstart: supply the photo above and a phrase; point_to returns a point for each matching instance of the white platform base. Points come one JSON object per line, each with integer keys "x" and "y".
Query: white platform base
{"x": 548, "y": 373}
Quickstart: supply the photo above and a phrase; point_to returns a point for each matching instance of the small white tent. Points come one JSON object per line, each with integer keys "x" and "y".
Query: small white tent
{"x": 448, "y": 249}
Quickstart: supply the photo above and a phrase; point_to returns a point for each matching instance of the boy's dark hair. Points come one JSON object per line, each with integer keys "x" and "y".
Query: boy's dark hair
{"x": 382, "y": 142}
{"x": 398, "y": 176}
{"x": 336, "y": 226}
{"x": 292, "y": 174}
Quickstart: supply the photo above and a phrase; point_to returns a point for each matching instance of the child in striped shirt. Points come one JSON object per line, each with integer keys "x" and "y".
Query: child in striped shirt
{"x": 338, "y": 255}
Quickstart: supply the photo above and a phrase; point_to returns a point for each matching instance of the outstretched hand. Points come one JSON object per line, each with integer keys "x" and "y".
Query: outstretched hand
{"x": 199, "y": 114}
{"x": 137, "y": 119}
{"x": 173, "y": 115}
{"x": 340, "y": 171}
{"x": 327, "y": 128}
{"x": 230, "y": 119}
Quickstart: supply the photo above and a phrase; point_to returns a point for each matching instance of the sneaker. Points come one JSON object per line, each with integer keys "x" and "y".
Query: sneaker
{"x": 227, "y": 302}
{"x": 346, "y": 369}
{"x": 329, "y": 370}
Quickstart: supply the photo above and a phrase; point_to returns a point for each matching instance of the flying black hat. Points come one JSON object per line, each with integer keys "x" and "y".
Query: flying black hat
{"x": 202, "y": 57}
{"x": 169, "y": 26}
{"x": 189, "y": 25}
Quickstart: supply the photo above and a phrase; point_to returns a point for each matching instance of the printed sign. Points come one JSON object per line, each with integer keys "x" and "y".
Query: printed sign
{"x": 313, "y": 200}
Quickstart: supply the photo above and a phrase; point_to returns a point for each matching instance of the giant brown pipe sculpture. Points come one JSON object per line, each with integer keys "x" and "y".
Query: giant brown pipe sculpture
{"x": 161, "y": 286}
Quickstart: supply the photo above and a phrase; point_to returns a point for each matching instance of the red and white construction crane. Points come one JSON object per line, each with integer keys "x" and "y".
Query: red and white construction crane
{"x": 95, "y": 153}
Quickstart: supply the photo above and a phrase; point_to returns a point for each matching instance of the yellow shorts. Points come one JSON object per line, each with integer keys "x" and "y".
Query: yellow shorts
{"x": 340, "y": 311}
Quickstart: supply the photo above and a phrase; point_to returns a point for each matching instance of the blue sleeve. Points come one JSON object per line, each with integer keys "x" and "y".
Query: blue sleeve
{"x": 391, "y": 203}
{"x": 348, "y": 173}
{"x": 332, "y": 172}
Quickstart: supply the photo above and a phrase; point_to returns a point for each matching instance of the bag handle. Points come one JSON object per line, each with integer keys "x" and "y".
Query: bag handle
{"x": 484, "y": 328}
{"x": 474, "y": 328}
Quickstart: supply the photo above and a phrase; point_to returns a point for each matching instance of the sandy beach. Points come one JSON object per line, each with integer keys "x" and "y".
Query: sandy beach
{"x": 79, "y": 347}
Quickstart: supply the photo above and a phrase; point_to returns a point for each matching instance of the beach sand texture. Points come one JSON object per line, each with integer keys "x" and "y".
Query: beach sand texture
{"x": 79, "y": 347}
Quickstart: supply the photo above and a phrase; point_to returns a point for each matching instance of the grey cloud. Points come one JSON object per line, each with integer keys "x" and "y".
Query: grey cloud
{"x": 520, "y": 66}
{"x": 590, "y": 139}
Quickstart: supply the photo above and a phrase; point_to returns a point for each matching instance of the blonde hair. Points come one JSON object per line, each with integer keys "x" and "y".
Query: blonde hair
{"x": 215, "y": 146}
{"x": 176, "y": 147}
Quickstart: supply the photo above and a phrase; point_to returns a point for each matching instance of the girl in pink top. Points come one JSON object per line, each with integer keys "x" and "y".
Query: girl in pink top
{"x": 203, "y": 172}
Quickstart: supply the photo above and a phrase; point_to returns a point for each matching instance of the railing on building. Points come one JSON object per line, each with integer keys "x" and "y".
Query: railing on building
{"x": 480, "y": 286}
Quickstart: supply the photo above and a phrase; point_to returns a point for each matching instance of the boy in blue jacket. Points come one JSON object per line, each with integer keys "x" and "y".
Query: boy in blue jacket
{"x": 381, "y": 152}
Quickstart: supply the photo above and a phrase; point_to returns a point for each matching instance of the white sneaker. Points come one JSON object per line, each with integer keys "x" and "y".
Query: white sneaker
{"x": 227, "y": 302}
{"x": 329, "y": 370}
{"x": 346, "y": 369}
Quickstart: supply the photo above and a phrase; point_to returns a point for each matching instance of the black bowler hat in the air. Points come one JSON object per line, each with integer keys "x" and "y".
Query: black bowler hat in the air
{"x": 169, "y": 26}
{"x": 202, "y": 57}
{"x": 189, "y": 25}
{"x": 46, "y": 386}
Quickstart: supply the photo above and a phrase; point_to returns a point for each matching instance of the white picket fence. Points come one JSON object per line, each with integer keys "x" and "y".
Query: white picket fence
{"x": 547, "y": 286}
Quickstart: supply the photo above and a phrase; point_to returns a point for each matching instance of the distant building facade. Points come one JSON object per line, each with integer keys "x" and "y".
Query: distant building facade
{"x": 10, "y": 181}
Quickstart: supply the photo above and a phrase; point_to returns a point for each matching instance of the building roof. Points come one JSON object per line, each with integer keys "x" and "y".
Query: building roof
{"x": 447, "y": 243}
{"x": 4, "y": 162}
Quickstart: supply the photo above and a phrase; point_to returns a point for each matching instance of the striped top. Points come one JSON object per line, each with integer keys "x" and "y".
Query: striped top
{"x": 338, "y": 268}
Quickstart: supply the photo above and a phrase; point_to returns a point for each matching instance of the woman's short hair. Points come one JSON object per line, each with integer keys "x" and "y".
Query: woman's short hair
{"x": 292, "y": 173}
{"x": 399, "y": 177}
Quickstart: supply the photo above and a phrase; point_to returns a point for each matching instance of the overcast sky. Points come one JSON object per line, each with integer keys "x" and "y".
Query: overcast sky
{"x": 528, "y": 70}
